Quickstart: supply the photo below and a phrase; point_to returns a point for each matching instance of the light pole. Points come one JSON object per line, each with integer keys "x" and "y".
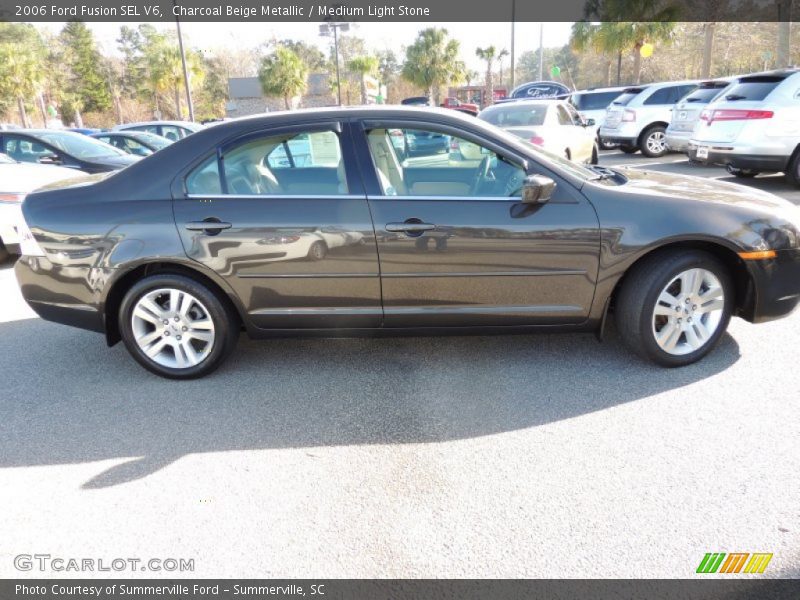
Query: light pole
{"x": 325, "y": 30}
{"x": 185, "y": 71}
{"x": 541, "y": 51}
{"x": 513, "y": 19}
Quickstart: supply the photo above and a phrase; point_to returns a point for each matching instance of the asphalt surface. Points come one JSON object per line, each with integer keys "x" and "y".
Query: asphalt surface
{"x": 523, "y": 456}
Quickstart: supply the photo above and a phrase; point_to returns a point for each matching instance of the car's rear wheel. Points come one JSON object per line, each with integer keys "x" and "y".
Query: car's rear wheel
{"x": 595, "y": 155}
{"x": 176, "y": 327}
{"x": 674, "y": 307}
{"x": 628, "y": 149}
{"x": 605, "y": 145}
{"x": 317, "y": 251}
{"x": 793, "y": 171}
{"x": 654, "y": 141}
{"x": 4, "y": 254}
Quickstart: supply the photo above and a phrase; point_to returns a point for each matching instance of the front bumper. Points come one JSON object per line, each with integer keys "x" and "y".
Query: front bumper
{"x": 776, "y": 287}
{"x": 728, "y": 156}
{"x": 63, "y": 294}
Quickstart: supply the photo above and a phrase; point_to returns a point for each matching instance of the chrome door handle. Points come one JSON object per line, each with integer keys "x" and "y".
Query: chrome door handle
{"x": 410, "y": 227}
{"x": 210, "y": 226}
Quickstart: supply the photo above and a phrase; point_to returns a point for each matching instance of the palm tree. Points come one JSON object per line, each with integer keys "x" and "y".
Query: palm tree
{"x": 432, "y": 61}
{"x": 363, "y": 66}
{"x": 20, "y": 74}
{"x": 283, "y": 73}
{"x": 166, "y": 71}
{"x": 647, "y": 32}
{"x": 489, "y": 54}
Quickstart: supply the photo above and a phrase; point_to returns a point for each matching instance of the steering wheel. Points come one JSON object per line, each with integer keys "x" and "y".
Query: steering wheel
{"x": 482, "y": 175}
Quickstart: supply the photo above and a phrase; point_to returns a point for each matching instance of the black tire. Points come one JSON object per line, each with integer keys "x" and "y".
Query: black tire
{"x": 317, "y": 251}
{"x": 639, "y": 294}
{"x": 4, "y": 254}
{"x": 628, "y": 149}
{"x": 226, "y": 325}
{"x": 742, "y": 173}
{"x": 793, "y": 170}
{"x": 653, "y": 131}
{"x": 595, "y": 156}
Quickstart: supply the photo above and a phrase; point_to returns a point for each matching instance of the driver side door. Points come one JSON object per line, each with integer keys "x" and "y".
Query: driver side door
{"x": 455, "y": 243}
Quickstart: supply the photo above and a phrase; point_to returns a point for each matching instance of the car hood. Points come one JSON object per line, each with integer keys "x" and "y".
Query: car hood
{"x": 706, "y": 191}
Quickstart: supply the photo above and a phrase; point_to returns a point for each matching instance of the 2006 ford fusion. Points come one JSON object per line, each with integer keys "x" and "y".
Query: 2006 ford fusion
{"x": 324, "y": 222}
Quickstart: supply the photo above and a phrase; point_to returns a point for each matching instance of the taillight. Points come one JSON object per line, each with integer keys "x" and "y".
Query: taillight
{"x": 12, "y": 198}
{"x": 539, "y": 141}
{"x": 730, "y": 114}
{"x": 629, "y": 115}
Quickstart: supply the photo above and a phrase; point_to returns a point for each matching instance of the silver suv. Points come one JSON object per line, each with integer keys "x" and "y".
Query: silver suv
{"x": 686, "y": 113}
{"x": 754, "y": 127}
{"x": 638, "y": 118}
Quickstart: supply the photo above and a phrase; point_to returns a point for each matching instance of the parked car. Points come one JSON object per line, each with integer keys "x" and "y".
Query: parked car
{"x": 16, "y": 180}
{"x": 456, "y": 104}
{"x": 138, "y": 143}
{"x": 523, "y": 240}
{"x": 84, "y": 130}
{"x": 416, "y": 101}
{"x": 64, "y": 149}
{"x": 686, "y": 113}
{"x": 172, "y": 130}
{"x": 592, "y": 104}
{"x": 637, "y": 119}
{"x": 552, "y": 124}
{"x": 753, "y": 127}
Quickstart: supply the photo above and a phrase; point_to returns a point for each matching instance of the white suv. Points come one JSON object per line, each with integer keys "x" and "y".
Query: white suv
{"x": 592, "y": 104}
{"x": 754, "y": 127}
{"x": 638, "y": 118}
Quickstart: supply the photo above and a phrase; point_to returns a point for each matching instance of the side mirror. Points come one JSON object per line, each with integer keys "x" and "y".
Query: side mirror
{"x": 50, "y": 159}
{"x": 589, "y": 123}
{"x": 537, "y": 189}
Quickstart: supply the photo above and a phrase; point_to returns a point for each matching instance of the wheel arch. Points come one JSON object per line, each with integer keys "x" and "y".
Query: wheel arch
{"x": 120, "y": 286}
{"x": 646, "y": 128}
{"x": 744, "y": 288}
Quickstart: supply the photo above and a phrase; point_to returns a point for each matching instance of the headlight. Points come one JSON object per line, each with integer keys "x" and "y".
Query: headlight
{"x": 28, "y": 245}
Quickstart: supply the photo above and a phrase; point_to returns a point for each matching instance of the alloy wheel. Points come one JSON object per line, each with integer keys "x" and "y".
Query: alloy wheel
{"x": 688, "y": 312}
{"x": 173, "y": 328}
{"x": 656, "y": 142}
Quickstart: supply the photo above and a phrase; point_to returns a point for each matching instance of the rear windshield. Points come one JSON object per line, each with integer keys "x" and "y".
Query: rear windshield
{"x": 627, "y": 96}
{"x": 752, "y": 89}
{"x": 704, "y": 94}
{"x": 593, "y": 100}
{"x": 515, "y": 116}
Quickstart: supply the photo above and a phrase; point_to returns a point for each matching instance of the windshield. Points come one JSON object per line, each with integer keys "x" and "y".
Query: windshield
{"x": 515, "y": 116}
{"x": 151, "y": 139}
{"x": 704, "y": 94}
{"x": 77, "y": 145}
{"x": 594, "y": 100}
{"x": 752, "y": 89}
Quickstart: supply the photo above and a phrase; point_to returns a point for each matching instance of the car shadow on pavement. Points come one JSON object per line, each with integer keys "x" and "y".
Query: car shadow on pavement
{"x": 67, "y": 398}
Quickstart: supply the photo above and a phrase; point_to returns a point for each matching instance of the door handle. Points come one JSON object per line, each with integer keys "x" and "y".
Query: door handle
{"x": 210, "y": 226}
{"x": 410, "y": 227}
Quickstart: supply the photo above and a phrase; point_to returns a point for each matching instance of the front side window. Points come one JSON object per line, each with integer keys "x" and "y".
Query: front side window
{"x": 24, "y": 150}
{"x": 294, "y": 164}
{"x": 412, "y": 162}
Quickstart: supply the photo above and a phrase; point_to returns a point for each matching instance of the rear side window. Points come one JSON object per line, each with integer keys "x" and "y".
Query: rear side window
{"x": 627, "y": 96}
{"x": 516, "y": 116}
{"x": 668, "y": 95}
{"x": 704, "y": 94}
{"x": 594, "y": 100}
{"x": 752, "y": 89}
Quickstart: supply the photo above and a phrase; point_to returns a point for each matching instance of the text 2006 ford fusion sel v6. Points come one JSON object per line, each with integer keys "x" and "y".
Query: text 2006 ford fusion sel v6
{"x": 323, "y": 222}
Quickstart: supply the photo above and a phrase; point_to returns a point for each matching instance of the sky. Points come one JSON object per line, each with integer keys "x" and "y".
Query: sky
{"x": 378, "y": 36}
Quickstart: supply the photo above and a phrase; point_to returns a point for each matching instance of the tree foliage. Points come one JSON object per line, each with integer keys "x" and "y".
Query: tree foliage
{"x": 283, "y": 74}
{"x": 432, "y": 61}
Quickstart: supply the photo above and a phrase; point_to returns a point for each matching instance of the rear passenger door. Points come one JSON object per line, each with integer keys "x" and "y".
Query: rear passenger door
{"x": 293, "y": 239}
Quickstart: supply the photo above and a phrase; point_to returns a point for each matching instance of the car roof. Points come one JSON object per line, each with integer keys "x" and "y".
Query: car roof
{"x": 524, "y": 101}
{"x": 601, "y": 90}
{"x": 187, "y": 124}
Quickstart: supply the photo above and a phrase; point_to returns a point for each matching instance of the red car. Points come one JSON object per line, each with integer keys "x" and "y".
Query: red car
{"x": 456, "y": 104}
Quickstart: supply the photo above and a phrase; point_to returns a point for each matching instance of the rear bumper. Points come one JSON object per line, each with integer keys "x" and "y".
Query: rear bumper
{"x": 677, "y": 141}
{"x": 776, "y": 290}
{"x": 61, "y": 294}
{"x": 720, "y": 155}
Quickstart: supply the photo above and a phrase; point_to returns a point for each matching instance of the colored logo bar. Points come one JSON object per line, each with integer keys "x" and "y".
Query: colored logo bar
{"x": 714, "y": 562}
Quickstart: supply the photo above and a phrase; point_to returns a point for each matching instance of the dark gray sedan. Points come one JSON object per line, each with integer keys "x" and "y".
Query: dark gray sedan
{"x": 229, "y": 230}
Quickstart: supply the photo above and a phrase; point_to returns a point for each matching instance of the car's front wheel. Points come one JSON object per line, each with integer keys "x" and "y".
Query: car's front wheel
{"x": 674, "y": 307}
{"x": 176, "y": 327}
{"x": 628, "y": 149}
{"x": 742, "y": 173}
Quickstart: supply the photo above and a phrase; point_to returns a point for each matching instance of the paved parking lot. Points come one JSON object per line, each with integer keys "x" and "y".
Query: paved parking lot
{"x": 524, "y": 456}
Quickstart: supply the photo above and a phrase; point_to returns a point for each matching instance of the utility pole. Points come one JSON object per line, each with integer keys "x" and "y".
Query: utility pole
{"x": 185, "y": 71}
{"x": 541, "y": 51}
{"x": 326, "y": 30}
{"x": 513, "y": 18}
